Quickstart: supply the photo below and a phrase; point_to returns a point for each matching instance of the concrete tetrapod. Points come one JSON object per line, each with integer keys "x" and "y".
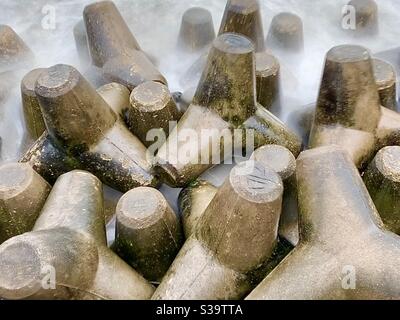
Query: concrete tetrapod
{"x": 117, "y": 97}
{"x": 367, "y": 18}
{"x": 267, "y": 74}
{"x": 225, "y": 100}
{"x": 68, "y": 244}
{"x": 152, "y": 109}
{"x": 81, "y": 43}
{"x": 51, "y": 161}
{"x": 267, "y": 79}
{"x": 388, "y": 130}
{"x": 14, "y": 53}
{"x": 23, "y": 193}
{"x": 197, "y": 30}
{"x": 301, "y": 121}
{"x": 286, "y": 33}
{"x": 14, "y": 56}
{"x": 385, "y": 77}
{"x": 382, "y": 179}
{"x": 234, "y": 237}
{"x": 348, "y": 110}
{"x": 194, "y": 200}
{"x": 341, "y": 112}
{"x": 148, "y": 233}
{"x": 282, "y": 161}
{"x": 32, "y": 114}
{"x": 114, "y": 49}
{"x": 344, "y": 250}
{"x": 244, "y": 17}
{"x": 79, "y": 121}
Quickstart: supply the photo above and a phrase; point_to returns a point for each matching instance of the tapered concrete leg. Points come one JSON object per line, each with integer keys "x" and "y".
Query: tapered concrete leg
{"x": 23, "y": 193}
{"x": 383, "y": 182}
{"x": 244, "y": 17}
{"x": 197, "y": 30}
{"x": 233, "y": 238}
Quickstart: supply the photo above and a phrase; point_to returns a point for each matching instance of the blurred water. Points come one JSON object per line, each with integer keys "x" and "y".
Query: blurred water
{"x": 155, "y": 24}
